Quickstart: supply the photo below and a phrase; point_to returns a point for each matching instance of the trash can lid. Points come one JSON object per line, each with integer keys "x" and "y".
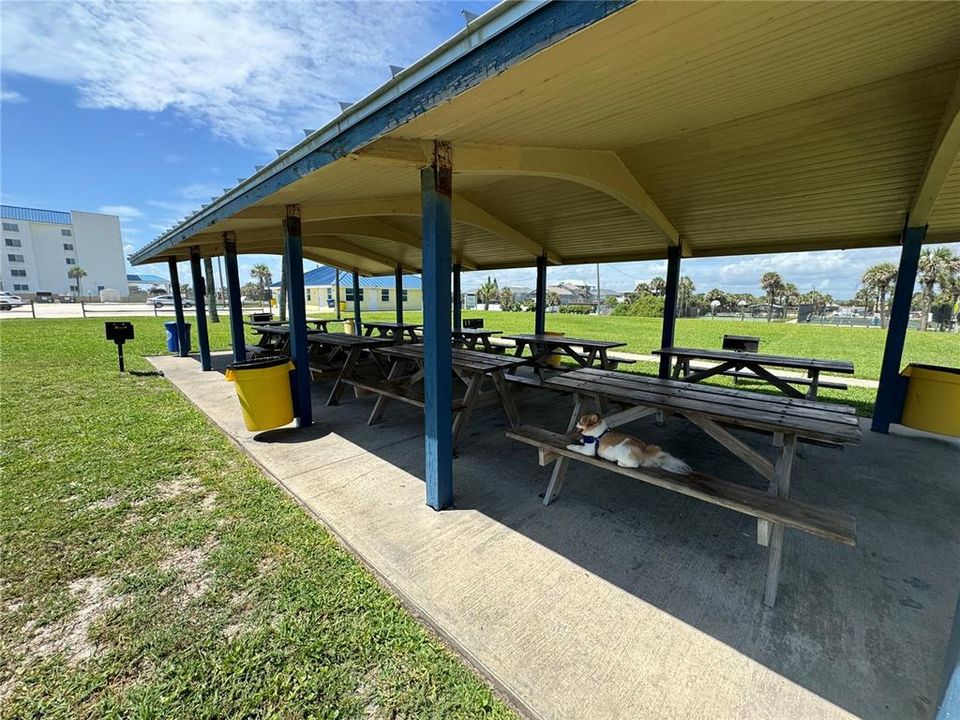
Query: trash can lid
{"x": 259, "y": 363}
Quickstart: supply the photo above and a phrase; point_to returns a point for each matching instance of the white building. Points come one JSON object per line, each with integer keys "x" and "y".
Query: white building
{"x": 40, "y": 246}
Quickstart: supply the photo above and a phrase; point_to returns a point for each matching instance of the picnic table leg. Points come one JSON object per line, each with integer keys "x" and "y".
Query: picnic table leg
{"x": 814, "y": 376}
{"x": 345, "y": 372}
{"x": 560, "y": 466}
{"x": 506, "y": 398}
{"x": 382, "y": 400}
{"x": 469, "y": 400}
{"x": 781, "y": 476}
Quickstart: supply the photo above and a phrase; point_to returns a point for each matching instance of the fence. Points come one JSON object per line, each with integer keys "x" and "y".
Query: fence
{"x": 33, "y": 310}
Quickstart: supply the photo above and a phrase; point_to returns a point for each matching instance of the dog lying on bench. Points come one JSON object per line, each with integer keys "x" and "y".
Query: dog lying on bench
{"x": 624, "y": 450}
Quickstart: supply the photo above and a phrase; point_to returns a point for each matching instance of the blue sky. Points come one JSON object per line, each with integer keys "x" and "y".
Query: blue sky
{"x": 148, "y": 109}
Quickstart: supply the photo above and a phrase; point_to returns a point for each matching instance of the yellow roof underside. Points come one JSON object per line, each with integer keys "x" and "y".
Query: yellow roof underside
{"x": 752, "y": 127}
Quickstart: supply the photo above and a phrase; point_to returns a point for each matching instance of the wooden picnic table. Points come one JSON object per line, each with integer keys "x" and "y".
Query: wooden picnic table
{"x": 730, "y": 362}
{"x": 469, "y": 338}
{"x": 394, "y": 330}
{"x": 712, "y": 409}
{"x": 274, "y": 340}
{"x": 340, "y": 352}
{"x": 404, "y": 382}
{"x": 584, "y": 352}
{"x": 319, "y": 324}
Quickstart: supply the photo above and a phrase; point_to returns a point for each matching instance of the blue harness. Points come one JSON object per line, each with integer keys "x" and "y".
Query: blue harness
{"x": 591, "y": 439}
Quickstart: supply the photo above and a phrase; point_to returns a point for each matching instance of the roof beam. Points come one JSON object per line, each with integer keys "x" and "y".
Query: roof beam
{"x": 407, "y": 205}
{"x": 338, "y": 244}
{"x": 601, "y": 170}
{"x": 943, "y": 156}
{"x": 466, "y": 212}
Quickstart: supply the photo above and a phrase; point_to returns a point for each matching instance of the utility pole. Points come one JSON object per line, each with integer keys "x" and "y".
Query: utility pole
{"x": 598, "y": 288}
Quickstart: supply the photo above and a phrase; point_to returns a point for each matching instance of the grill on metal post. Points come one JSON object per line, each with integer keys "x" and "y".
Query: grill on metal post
{"x": 119, "y": 332}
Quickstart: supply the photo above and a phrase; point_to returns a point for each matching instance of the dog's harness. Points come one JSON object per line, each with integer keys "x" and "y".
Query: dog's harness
{"x": 591, "y": 439}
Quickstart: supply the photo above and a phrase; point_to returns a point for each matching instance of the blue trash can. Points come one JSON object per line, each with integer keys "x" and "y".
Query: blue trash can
{"x": 173, "y": 344}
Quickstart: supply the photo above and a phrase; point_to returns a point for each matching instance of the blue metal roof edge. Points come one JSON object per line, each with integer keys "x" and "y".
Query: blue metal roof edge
{"x": 538, "y": 29}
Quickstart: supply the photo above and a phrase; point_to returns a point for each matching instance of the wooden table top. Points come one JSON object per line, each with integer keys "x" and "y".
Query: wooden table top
{"x": 476, "y": 331}
{"x": 835, "y": 366}
{"x": 775, "y": 413}
{"x": 564, "y": 340}
{"x": 389, "y": 325}
{"x": 463, "y": 359}
{"x": 346, "y": 340}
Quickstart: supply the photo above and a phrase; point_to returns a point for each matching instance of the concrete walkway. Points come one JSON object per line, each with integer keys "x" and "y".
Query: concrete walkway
{"x": 621, "y": 600}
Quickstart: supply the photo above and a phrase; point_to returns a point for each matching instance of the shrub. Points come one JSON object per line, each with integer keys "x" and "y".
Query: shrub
{"x": 641, "y": 306}
{"x": 577, "y": 309}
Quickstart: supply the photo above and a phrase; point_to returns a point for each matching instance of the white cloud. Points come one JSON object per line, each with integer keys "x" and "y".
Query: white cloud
{"x": 253, "y": 72}
{"x": 11, "y": 96}
{"x": 127, "y": 249}
{"x": 125, "y": 212}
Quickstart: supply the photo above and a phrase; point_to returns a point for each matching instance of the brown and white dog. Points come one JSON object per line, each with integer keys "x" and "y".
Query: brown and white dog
{"x": 624, "y": 450}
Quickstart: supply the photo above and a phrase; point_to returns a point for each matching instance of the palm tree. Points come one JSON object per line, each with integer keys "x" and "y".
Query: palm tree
{"x": 553, "y": 298}
{"x": 934, "y": 266}
{"x": 76, "y": 273}
{"x": 261, "y": 273}
{"x": 685, "y": 290}
{"x": 790, "y": 295}
{"x": 488, "y": 292}
{"x": 772, "y": 285}
{"x": 211, "y": 290}
{"x": 658, "y": 286}
{"x": 880, "y": 277}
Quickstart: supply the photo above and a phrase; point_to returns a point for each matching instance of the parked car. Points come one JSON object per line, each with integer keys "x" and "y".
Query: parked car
{"x": 166, "y": 301}
{"x": 8, "y": 301}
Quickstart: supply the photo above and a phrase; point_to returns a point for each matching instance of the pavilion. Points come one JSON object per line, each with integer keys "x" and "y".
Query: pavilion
{"x": 549, "y": 133}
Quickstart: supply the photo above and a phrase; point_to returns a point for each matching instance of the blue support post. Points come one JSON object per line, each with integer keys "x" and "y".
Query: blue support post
{"x": 891, "y": 388}
{"x": 670, "y": 305}
{"x": 237, "y": 337}
{"x": 457, "y": 299}
{"x": 200, "y": 300}
{"x": 178, "y": 306}
{"x": 357, "y": 320}
{"x": 398, "y": 289}
{"x": 436, "y": 185}
{"x": 299, "y": 352}
{"x": 540, "y": 308}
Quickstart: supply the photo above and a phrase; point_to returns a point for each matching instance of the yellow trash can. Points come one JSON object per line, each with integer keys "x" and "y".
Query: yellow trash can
{"x": 349, "y": 326}
{"x": 555, "y": 359}
{"x": 933, "y": 399}
{"x": 263, "y": 387}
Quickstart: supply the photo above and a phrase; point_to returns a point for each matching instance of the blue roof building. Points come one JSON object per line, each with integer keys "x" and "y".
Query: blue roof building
{"x": 376, "y": 293}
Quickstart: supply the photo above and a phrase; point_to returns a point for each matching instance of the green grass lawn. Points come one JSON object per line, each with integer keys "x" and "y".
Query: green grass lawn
{"x": 149, "y": 570}
{"x": 861, "y": 346}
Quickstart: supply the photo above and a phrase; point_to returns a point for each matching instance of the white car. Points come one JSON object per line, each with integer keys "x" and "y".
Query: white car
{"x": 8, "y": 301}
{"x": 166, "y": 300}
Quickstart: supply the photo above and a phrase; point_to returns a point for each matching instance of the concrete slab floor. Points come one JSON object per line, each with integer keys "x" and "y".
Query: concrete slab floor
{"x": 622, "y": 600}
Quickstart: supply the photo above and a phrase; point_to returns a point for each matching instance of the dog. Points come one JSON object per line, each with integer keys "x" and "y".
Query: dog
{"x": 624, "y": 450}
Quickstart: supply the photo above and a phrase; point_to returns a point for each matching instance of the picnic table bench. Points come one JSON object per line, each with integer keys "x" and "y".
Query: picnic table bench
{"x": 396, "y": 331}
{"x": 712, "y": 409}
{"x": 340, "y": 353}
{"x": 404, "y": 381}
{"x": 731, "y": 362}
